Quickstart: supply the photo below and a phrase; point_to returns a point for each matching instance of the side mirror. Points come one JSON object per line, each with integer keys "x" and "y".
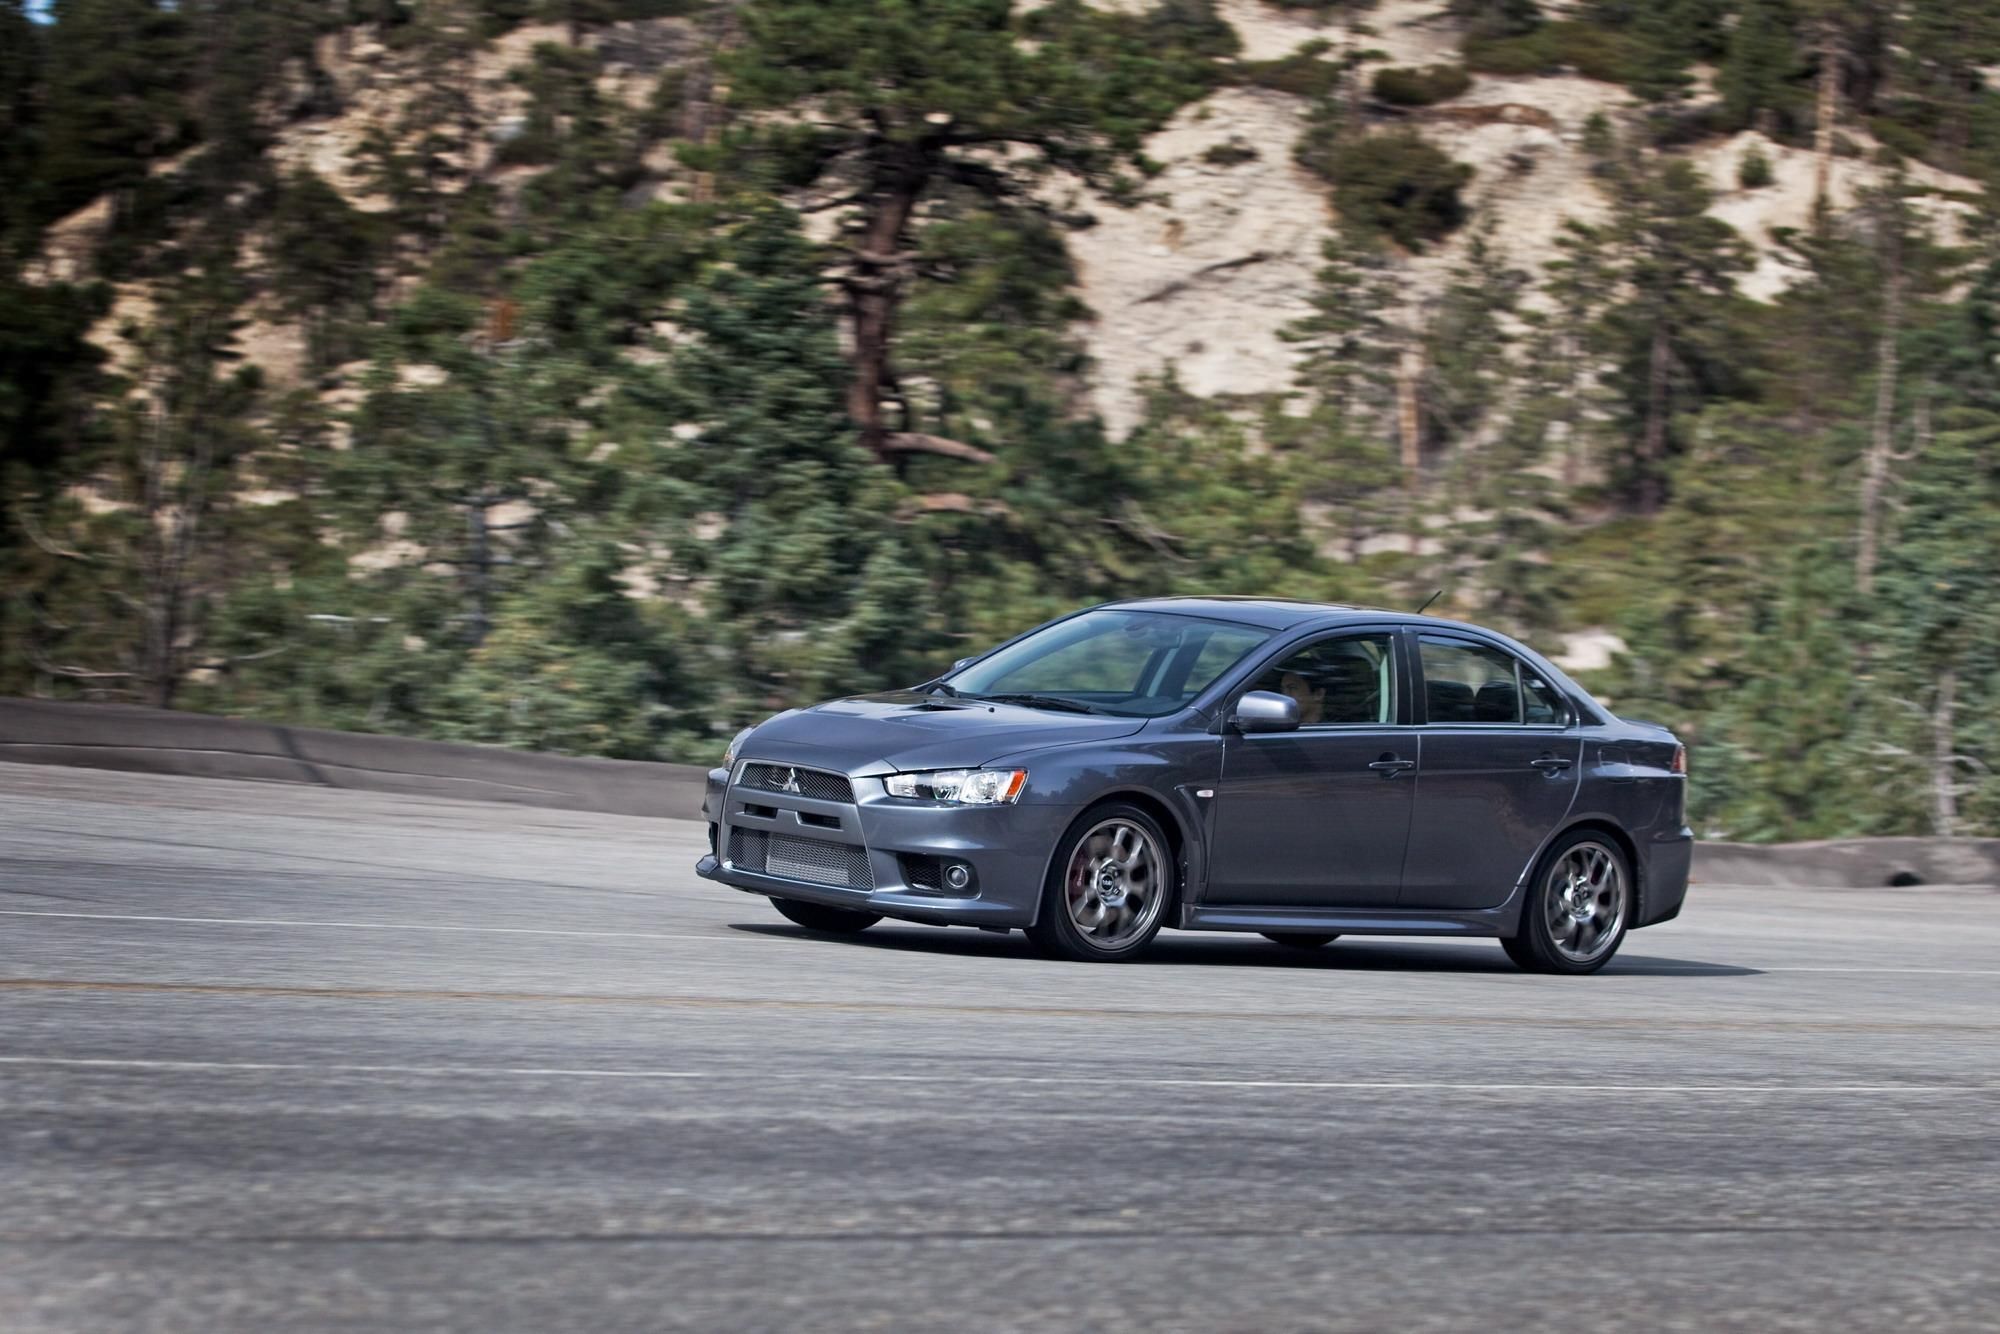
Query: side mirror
{"x": 960, "y": 666}
{"x": 1266, "y": 711}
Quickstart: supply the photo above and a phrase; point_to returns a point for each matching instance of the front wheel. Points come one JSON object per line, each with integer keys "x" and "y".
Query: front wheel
{"x": 818, "y": 917}
{"x": 1579, "y": 906}
{"x": 1107, "y": 889}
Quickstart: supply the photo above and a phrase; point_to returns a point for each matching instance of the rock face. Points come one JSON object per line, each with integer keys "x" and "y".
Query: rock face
{"x": 1205, "y": 278}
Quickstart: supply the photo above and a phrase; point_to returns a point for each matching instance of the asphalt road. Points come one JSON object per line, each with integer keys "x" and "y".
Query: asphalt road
{"x": 277, "y": 1058}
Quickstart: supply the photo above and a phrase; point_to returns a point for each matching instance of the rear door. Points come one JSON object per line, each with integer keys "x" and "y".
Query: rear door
{"x": 1500, "y": 771}
{"x": 1318, "y": 817}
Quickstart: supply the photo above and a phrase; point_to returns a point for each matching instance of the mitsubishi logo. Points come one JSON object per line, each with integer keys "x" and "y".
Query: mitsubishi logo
{"x": 791, "y": 783}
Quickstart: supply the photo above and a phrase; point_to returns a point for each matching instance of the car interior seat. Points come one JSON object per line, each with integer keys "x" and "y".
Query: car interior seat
{"x": 1497, "y": 702}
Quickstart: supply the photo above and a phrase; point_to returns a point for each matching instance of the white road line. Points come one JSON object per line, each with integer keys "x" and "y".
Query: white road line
{"x": 838, "y": 1077}
{"x": 374, "y": 926}
{"x": 1948, "y": 972}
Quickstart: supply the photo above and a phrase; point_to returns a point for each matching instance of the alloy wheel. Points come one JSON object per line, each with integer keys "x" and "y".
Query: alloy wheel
{"x": 1584, "y": 902}
{"x": 1115, "y": 883}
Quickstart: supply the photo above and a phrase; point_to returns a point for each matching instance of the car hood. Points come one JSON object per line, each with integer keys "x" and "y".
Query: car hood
{"x": 902, "y": 730}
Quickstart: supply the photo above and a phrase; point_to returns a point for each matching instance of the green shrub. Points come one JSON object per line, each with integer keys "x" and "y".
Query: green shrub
{"x": 1396, "y": 183}
{"x": 1231, "y": 152}
{"x": 1594, "y": 52}
{"x": 1906, "y": 139}
{"x": 1754, "y": 171}
{"x": 1420, "y": 87}
{"x": 1302, "y": 73}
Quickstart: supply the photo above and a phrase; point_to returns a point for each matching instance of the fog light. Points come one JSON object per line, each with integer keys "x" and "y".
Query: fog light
{"x": 958, "y": 875}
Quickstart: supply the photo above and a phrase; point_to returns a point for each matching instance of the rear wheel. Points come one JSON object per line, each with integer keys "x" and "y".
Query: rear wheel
{"x": 1579, "y": 906}
{"x": 1300, "y": 940}
{"x": 1108, "y": 887}
{"x": 818, "y": 917}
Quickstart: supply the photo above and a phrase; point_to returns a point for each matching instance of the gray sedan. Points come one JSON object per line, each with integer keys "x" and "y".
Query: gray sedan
{"x": 1297, "y": 770}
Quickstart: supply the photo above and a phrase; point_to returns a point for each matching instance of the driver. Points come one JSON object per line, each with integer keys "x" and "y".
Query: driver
{"x": 1311, "y": 702}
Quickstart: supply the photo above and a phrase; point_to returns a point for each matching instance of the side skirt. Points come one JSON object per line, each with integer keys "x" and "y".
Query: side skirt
{"x": 1500, "y": 921}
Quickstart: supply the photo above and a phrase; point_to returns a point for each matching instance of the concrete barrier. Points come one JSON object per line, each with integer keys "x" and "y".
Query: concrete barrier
{"x": 110, "y": 736}
{"x": 107, "y": 736}
{"x": 1855, "y": 863}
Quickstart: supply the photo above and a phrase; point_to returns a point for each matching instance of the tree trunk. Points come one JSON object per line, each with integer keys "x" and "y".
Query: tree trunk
{"x": 875, "y": 291}
{"x": 1569, "y": 417}
{"x": 1944, "y": 747}
{"x": 1649, "y": 489}
{"x": 1828, "y": 111}
{"x": 1409, "y": 430}
{"x": 481, "y": 564}
{"x": 1875, "y": 474}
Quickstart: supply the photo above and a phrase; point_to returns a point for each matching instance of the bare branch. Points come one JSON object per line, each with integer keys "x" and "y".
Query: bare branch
{"x": 918, "y": 442}
{"x": 954, "y": 502}
{"x": 1161, "y": 293}
{"x": 220, "y": 664}
{"x": 1143, "y": 528}
{"x": 41, "y": 539}
{"x": 42, "y": 663}
{"x": 841, "y": 201}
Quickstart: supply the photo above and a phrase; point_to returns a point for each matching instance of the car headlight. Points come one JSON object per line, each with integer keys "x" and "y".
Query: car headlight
{"x": 735, "y": 745}
{"x": 961, "y": 787}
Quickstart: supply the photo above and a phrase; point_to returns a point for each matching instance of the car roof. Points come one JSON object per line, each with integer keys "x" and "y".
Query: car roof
{"x": 1269, "y": 613}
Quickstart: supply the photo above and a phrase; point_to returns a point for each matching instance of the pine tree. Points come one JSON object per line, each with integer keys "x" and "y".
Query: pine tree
{"x": 796, "y": 511}
{"x": 1940, "y": 671}
{"x": 117, "y": 73}
{"x": 468, "y": 434}
{"x": 121, "y": 600}
{"x": 323, "y": 256}
{"x": 1350, "y": 347}
{"x": 1759, "y": 76}
{"x": 1673, "y": 335}
{"x": 1464, "y": 340}
{"x": 1943, "y": 53}
{"x": 913, "y": 99}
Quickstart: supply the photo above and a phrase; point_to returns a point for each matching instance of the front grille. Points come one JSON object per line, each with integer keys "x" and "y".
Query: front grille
{"x": 810, "y": 859}
{"x": 815, "y": 783}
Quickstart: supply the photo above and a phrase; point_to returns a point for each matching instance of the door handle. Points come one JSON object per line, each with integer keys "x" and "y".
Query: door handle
{"x": 1389, "y": 766}
{"x": 1550, "y": 764}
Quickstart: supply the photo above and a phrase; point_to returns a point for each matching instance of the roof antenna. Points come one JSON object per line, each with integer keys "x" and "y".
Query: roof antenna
{"x": 1427, "y": 602}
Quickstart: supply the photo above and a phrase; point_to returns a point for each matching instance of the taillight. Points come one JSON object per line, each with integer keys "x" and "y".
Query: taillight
{"x": 1680, "y": 759}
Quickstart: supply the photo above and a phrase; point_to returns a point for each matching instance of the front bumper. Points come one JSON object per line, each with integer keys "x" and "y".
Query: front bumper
{"x": 1004, "y": 848}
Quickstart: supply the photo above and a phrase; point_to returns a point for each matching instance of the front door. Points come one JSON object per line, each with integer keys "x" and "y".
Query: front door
{"x": 1500, "y": 771}
{"x": 1319, "y": 817}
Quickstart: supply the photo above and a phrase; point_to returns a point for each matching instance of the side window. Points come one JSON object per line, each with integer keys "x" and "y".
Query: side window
{"x": 1338, "y": 681}
{"x": 1471, "y": 683}
{"x": 1468, "y": 683}
{"x": 1541, "y": 700}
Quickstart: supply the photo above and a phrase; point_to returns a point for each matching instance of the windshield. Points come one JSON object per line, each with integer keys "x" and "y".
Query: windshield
{"x": 1135, "y": 664}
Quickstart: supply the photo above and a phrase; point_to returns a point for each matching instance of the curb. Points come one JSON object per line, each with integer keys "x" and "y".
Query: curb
{"x": 138, "y": 740}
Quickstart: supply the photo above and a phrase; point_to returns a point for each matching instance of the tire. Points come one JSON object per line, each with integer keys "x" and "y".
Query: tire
{"x": 1300, "y": 940}
{"x": 1579, "y": 906}
{"x": 818, "y": 917}
{"x": 1108, "y": 889}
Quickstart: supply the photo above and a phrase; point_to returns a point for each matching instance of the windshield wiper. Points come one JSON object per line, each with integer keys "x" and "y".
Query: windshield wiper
{"x": 1040, "y": 702}
{"x": 938, "y": 687}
